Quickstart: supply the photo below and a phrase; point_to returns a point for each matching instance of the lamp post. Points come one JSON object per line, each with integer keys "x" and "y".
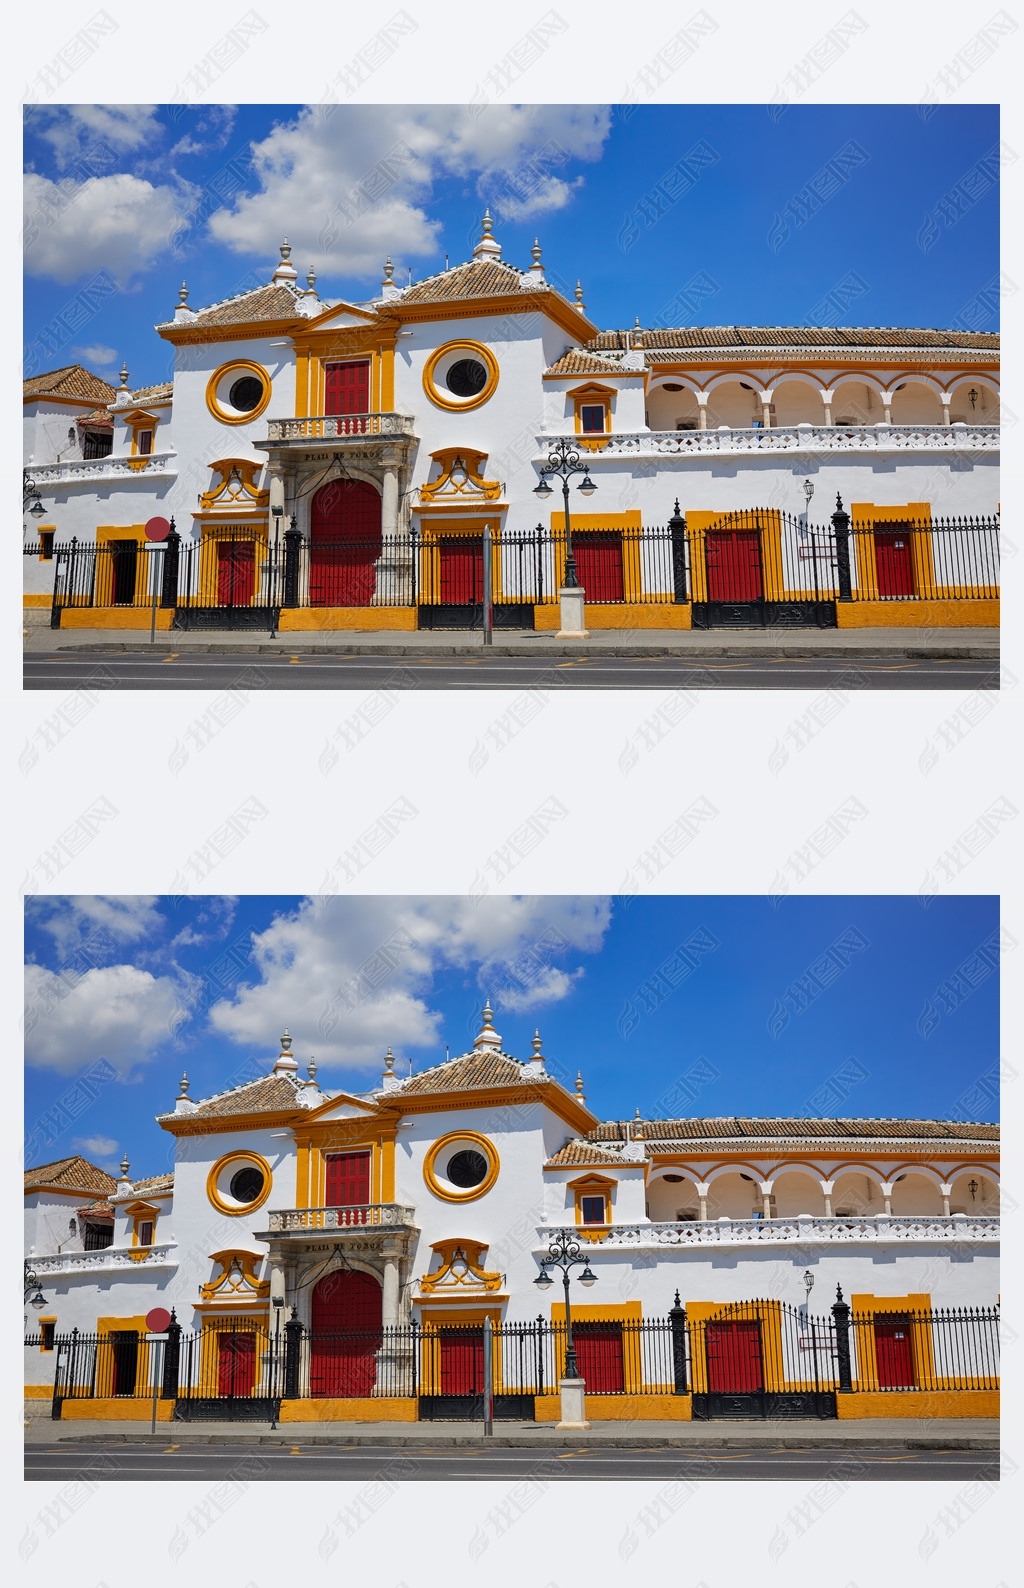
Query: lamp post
{"x": 563, "y": 462}
{"x": 565, "y": 1252}
{"x": 37, "y": 1299}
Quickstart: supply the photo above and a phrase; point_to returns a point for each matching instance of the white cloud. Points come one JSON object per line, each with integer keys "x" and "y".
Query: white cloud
{"x": 94, "y": 132}
{"x": 115, "y": 1012}
{"x": 349, "y": 975}
{"x": 96, "y": 353}
{"x": 106, "y": 919}
{"x": 347, "y": 184}
{"x": 95, "y": 1146}
{"x": 118, "y": 223}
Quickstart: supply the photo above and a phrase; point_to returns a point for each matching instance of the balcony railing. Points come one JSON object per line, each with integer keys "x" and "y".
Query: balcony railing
{"x": 798, "y": 438}
{"x": 373, "y": 1214}
{"x": 79, "y": 471}
{"x": 799, "y": 1231}
{"x": 106, "y": 1257}
{"x": 338, "y": 427}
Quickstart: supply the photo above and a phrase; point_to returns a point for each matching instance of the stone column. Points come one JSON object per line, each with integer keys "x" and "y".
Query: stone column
{"x": 391, "y": 1255}
{"x": 702, "y": 1192}
{"x": 947, "y": 1192}
{"x": 826, "y": 399}
{"x": 766, "y": 397}
{"x": 389, "y": 501}
{"x": 887, "y": 1189}
{"x": 394, "y": 569}
{"x": 702, "y": 409}
{"x": 276, "y": 488}
{"x": 946, "y": 399}
{"x": 887, "y": 407}
{"x": 765, "y": 1188}
{"x": 827, "y": 1188}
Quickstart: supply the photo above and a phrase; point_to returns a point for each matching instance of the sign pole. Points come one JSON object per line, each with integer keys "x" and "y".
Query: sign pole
{"x": 157, "y": 1363}
{"x": 156, "y": 530}
{"x": 488, "y": 558}
{"x": 488, "y": 1377}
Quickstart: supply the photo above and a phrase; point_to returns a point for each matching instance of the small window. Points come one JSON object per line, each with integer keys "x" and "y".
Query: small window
{"x": 467, "y": 1169}
{"x": 686, "y": 424}
{"x": 246, "y": 1184}
{"x": 683, "y": 1217}
{"x": 97, "y": 1237}
{"x": 592, "y": 419}
{"x": 466, "y": 377}
{"x": 97, "y": 444}
{"x": 146, "y": 1232}
{"x": 593, "y": 1210}
{"x": 46, "y": 545}
{"x": 144, "y": 443}
{"x": 46, "y": 1336}
{"x": 246, "y": 394}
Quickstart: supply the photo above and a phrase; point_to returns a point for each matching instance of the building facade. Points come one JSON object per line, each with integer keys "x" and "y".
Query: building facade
{"x": 412, "y": 422}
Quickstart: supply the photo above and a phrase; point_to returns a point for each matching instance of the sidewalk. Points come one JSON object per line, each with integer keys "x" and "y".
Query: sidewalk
{"x": 692, "y": 644}
{"x": 950, "y": 1433}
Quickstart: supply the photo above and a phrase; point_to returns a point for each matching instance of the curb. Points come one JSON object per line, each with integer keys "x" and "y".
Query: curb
{"x": 560, "y": 1441}
{"x": 444, "y": 653}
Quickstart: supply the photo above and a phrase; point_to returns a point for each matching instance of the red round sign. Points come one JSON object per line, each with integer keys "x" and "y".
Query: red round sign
{"x": 157, "y": 1320}
{"x": 157, "y": 529}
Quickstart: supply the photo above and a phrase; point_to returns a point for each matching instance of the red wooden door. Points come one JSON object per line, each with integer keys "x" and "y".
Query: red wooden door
{"x": 236, "y": 572}
{"x": 733, "y": 559}
{"x": 894, "y": 1353}
{"x": 347, "y": 391}
{"x": 462, "y": 570}
{"x": 347, "y": 1330}
{"x": 894, "y": 563}
{"x": 462, "y": 1361}
{"x": 599, "y": 564}
{"x": 348, "y": 1183}
{"x": 236, "y": 1363}
{"x": 345, "y": 544}
{"x": 599, "y": 1355}
{"x": 734, "y": 1357}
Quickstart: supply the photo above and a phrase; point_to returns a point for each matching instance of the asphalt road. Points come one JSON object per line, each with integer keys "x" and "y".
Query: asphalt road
{"x": 292, "y": 670}
{"x": 252, "y": 1462}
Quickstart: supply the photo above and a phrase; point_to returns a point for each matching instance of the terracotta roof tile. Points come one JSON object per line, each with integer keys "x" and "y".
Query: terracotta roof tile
{"x": 737, "y": 1129}
{"x": 575, "y": 362}
{"x": 581, "y": 1152}
{"x": 73, "y": 1174}
{"x": 262, "y": 303}
{"x": 755, "y": 337}
{"x": 73, "y": 380}
{"x": 158, "y": 1182}
{"x": 98, "y": 419}
{"x": 462, "y": 1074}
{"x": 153, "y": 393}
{"x": 268, "y": 1095}
{"x": 477, "y": 279}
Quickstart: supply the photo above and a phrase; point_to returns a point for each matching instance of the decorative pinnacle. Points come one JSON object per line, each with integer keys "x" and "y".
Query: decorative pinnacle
{"x": 124, "y": 375}
{"x": 311, "y": 1068}
{"x": 579, "y": 1083}
{"x": 286, "y": 249}
{"x": 389, "y": 1061}
{"x": 488, "y": 1014}
{"x": 311, "y": 278}
{"x": 184, "y": 1084}
{"x": 535, "y": 251}
{"x": 536, "y": 1043}
{"x": 677, "y": 1302}
{"x": 637, "y": 1114}
{"x": 389, "y": 269}
{"x": 636, "y": 322}
{"x": 124, "y": 1167}
{"x": 286, "y": 1040}
{"x": 578, "y": 294}
{"x": 488, "y": 225}
{"x": 183, "y": 293}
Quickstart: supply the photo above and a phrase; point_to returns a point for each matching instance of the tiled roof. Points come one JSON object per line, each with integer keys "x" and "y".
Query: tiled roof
{"x": 72, "y": 1174}
{"x": 153, "y": 393}
{"x": 97, "y": 419}
{"x": 268, "y": 1095}
{"x": 581, "y": 1152}
{"x": 465, "y": 1073}
{"x": 576, "y": 363}
{"x": 262, "y": 303}
{"x": 754, "y": 337}
{"x": 158, "y": 1182}
{"x": 735, "y": 1129}
{"x": 73, "y": 380}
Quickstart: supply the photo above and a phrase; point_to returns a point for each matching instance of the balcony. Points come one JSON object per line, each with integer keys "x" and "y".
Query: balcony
{"x": 96, "y": 471}
{"x": 102, "y": 1261}
{"x": 804, "y": 438}
{"x": 804, "y": 1230}
{"x": 342, "y": 427}
{"x": 374, "y": 1215}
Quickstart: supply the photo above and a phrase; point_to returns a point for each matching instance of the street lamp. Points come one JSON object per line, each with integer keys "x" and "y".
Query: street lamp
{"x": 565, "y": 1252}
{"x": 563, "y": 462}
{"x": 808, "y": 493}
{"x": 30, "y": 494}
{"x": 37, "y": 1299}
{"x": 808, "y": 1286}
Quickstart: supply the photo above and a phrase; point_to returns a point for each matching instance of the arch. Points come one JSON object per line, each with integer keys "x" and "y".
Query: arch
{"x": 790, "y": 1200}
{"x": 347, "y": 1308}
{"x": 344, "y": 543}
{"x": 686, "y": 381}
{"x": 907, "y": 1199}
{"x": 987, "y": 1199}
{"x": 988, "y": 381}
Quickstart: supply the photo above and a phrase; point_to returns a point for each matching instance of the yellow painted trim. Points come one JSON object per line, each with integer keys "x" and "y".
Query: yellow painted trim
{"x": 918, "y": 1403}
{"x": 48, "y": 1318}
{"x": 557, "y": 309}
{"x": 864, "y": 514}
{"x": 593, "y": 1185}
{"x": 39, "y": 1392}
{"x": 608, "y": 1312}
{"x": 477, "y": 1276}
{"x": 115, "y": 617}
{"x": 104, "y": 1379}
{"x": 72, "y": 402}
{"x": 247, "y": 469}
{"x": 301, "y": 383}
{"x": 104, "y": 591}
{"x": 375, "y": 1410}
{"x": 619, "y": 1408}
{"x": 387, "y": 1173}
{"x": 140, "y": 420}
{"x": 117, "y": 1409}
{"x": 214, "y": 1196}
{"x": 35, "y": 601}
{"x": 910, "y": 614}
{"x": 243, "y": 366}
{"x": 475, "y": 487}
{"x": 632, "y": 518}
{"x": 387, "y": 377}
{"x": 183, "y": 1125}
{"x": 243, "y": 331}
{"x": 302, "y": 1174}
{"x": 474, "y": 1139}
{"x": 434, "y": 393}
{"x": 142, "y": 1213}
{"x": 592, "y": 396}
{"x": 563, "y": 1104}
{"x": 699, "y": 522}
{"x": 248, "y": 1262}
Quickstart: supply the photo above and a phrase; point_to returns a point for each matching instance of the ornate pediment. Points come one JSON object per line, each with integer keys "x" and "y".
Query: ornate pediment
{"x": 460, "y": 478}
{"x": 236, "y": 486}
{"x": 460, "y": 1271}
{"x": 237, "y": 1280}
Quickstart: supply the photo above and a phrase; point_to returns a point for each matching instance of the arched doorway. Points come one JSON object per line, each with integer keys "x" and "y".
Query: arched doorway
{"x": 347, "y": 1330}
{"x": 345, "y": 544}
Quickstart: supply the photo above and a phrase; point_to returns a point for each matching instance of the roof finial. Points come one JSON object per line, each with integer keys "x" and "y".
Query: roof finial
{"x": 636, "y": 322}
{"x": 311, "y": 1068}
{"x": 183, "y": 1084}
{"x": 183, "y": 293}
{"x": 286, "y": 1040}
{"x": 488, "y": 247}
{"x": 285, "y": 274}
{"x": 535, "y": 251}
{"x": 487, "y": 1037}
{"x": 389, "y": 269}
{"x": 488, "y": 225}
{"x": 389, "y": 1061}
{"x": 124, "y": 376}
{"x": 125, "y": 1166}
{"x": 536, "y": 1043}
{"x": 637, "y": 1114}
{"x": 578, "y": 295}
{"x": 488, "y": 1013}
{"x": 311, "y": 279}
{"x": 286, "y": 1062}
{"x": 579, "y": 1085}
{"x": 286, "y": 249}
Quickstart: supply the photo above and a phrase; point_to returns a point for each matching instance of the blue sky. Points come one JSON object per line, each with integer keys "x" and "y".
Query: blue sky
{"x": 853, "y": 215}
{"x": 858, "y": 1006}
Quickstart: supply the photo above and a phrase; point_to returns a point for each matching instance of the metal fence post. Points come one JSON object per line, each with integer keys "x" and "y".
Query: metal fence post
{"x": 292, "y": 545}
{"x": 172, "y": 1352}
{"x": 677, "y": 528}
{"x": 841, "y": 1323}
{"x": 488, "y": 1376}
{"x": 169, "y": 582}
{"x": 488, "y": 612}
{"x": 292, "y": 1353}
{"x": 677, "y": 1323}
{"x": 841, "y": 528}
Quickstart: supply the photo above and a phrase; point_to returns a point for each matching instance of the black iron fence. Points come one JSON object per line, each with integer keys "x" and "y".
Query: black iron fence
{"x": 759, "y": 566}
{"x": 760, "y": 1358}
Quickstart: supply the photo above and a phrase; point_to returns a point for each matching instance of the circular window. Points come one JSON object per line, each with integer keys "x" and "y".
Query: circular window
{"x": 240, "y": 1182}
{"x": 467, "y": 1168}
{"x": 246, "y": 1185}
{"x": 245, "y": 393}
{"x": 466, "y": 377}
{"x": 461, "y": 1166}
{"x": 238, "y": 392}
{"x": 460, "y": 375}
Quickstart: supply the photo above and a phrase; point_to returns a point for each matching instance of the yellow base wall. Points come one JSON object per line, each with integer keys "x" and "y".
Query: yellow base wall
{"x": 37, "y": 601}
{"x": 115, "y": 617}
{"x": 918, "y": 614}
{"x": 919, "y": 1403}
{"x": 308, "y": 619}
{"x": 116, "y": 1411}
{"x": 618, "y": 616}
{"x": 620, "y": 1408}
{"x": 38, "y": 1392}
{"x": 350, "y": 1411}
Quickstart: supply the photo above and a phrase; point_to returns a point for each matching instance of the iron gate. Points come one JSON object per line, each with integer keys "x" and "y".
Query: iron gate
{"x": 763, "y": 569}
{"x": 762, "y": 1359}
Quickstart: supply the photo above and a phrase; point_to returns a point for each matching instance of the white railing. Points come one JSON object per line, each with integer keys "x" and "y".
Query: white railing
{"x": 373, "y": 1214}
{"x": 799, "y": 1231}
{"x": 80, "y": 470}
{"x": 107, "y": 1257}
{"x": 800, "y": 438}
{"x": 329, "y": 427}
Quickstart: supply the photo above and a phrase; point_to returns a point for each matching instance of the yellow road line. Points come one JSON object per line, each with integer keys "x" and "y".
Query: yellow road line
{"x": 173, "y": 656}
